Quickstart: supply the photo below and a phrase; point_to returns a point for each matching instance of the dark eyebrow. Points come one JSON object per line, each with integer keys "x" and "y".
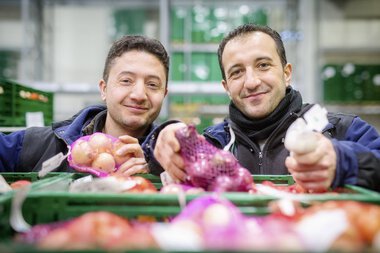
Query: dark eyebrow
{"x": 154, "y": 77}
{"x": 264, "y": 58}
{"x": 134, "y": 74}
{"x": 256, "y": 60}
{"x": 126, "y": 73}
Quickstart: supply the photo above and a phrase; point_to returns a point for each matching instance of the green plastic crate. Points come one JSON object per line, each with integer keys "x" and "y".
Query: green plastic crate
{"x": 37, "y": 182}
{"x": 248, "y": 203}
{"x": 44, "y": 207}
{"x": 16, "y": 100}
{"x": 50, "y": 181}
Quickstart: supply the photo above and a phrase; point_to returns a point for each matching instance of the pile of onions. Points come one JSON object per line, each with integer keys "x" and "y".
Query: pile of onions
{"x": 96, "y": 152}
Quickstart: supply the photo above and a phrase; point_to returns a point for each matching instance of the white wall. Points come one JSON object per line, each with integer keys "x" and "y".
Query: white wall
{"x": 11, "y": 35}
{"x": 340, "y": 28}
{"x": 80, "y": 46}
{"x": 80, "y": 42}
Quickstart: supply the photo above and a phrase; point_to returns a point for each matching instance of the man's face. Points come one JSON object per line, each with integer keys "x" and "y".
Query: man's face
{"x": 134, "y": 92}
{"x": 255, "y": 78}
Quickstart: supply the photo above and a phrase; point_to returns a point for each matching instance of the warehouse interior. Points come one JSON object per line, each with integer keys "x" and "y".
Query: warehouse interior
{"x": 264, "y": 181}
{"x": 59, "y": 47}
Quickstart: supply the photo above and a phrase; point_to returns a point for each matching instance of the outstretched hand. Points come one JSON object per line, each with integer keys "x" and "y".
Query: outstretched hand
{"x": 167, "y": 150}
{"x": 136, "y": 162}
{"x": 314, "y": 170}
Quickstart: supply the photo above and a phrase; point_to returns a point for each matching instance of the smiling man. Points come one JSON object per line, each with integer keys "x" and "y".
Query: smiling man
{"x": 133, "y": 87}
{"x": 257, "y": 78}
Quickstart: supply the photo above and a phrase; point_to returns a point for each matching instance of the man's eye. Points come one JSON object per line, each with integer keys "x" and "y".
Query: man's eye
{"x": 126, "y": 81}
{"x": 263, "y": 65}
{"x": 235, "y": 73}
{"x": 153, "y": 85}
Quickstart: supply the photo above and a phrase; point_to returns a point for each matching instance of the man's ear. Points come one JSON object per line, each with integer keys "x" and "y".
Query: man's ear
{"x": 166, "y": 91}
{"x": 288, "y": 74}
{"x": 226, "y": 88}
{"x": 103, "y": 89}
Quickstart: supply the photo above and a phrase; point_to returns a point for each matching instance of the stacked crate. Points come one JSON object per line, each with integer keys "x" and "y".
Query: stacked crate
{"x": 351, "y": 83}
{"x": 16, "y": 100}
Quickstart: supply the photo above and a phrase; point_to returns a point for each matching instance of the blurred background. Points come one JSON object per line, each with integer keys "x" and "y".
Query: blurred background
{"x": 52, "y": 53}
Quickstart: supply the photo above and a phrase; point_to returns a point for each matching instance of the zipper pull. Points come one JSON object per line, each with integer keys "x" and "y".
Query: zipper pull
{"x": 260, "y": 158}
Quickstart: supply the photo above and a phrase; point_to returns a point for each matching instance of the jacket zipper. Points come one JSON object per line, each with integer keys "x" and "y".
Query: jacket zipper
{"x": 269, "y": 140}
{"x": 261, "y": 162}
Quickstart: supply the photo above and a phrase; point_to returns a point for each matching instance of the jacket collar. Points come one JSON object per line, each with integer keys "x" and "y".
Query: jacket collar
{"x": 71, "y": 129}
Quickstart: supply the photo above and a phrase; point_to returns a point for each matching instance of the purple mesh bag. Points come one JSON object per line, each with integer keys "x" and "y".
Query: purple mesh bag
{"x": 208, "y": 167}
{"x": 88, "y": 154}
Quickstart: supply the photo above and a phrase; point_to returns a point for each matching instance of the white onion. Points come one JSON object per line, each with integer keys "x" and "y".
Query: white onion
{"x": 299, "y": 139}
{"x": 301, "y": 142}
{"x": 82, "y": 153}
{"x": 104, "y": 162}
{"x": 100, "y": 142}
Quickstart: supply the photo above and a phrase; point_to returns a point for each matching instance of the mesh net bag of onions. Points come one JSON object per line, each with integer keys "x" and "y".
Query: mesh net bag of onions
{"x": 208, "y": 167}
{"x": 96, "y": 154}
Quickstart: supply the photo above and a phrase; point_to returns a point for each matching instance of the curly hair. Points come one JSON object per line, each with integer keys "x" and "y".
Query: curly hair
{"x": 140, "y": 43}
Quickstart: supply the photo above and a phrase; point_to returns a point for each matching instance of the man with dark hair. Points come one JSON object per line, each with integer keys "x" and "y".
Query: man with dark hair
{"x": 257, "y": 77}
{"x": 133, "y": 87}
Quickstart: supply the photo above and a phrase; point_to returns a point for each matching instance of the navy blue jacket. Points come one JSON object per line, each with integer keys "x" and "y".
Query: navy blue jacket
{"x": 356, "y": 143}
{"x": 26, "y": 150}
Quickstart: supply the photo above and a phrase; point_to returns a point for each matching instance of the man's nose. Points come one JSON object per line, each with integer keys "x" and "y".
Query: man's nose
{"x": 252, "y": 79}
{"x": 139, "y": 90}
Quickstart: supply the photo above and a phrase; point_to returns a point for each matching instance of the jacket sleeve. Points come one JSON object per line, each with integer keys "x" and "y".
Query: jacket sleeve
{"x": 358, "y": 156}
{"x": 148, "y": 147}
{"x": 10, "y": 148}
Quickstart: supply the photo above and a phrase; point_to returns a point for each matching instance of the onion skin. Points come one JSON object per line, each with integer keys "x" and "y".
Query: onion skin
{"x": 100, "y": 142}
{"x": 301, "y": 142}
{"x": 104, "y": 162}
{"x": 221, "y": 184}
{"x": 82, "y": 153}
{"x": 243, "y": 180}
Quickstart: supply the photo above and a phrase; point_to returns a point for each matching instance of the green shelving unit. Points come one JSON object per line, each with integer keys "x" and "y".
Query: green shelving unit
{"x": 351, "y": 83}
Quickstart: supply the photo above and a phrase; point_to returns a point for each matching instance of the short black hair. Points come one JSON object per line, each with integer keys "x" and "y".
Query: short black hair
{"x": 249, "y": 28}
{"x": 136, "y": 42}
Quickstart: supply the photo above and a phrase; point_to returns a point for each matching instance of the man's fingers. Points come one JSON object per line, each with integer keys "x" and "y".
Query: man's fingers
{"x": 311, "y": 176}
{"x": 167, "y": 137}
{"x": 167, "y": 150}
{"x": 131, "y": 149}
{"x": 137, "y": 169}
{"x": 130, "y": 163}
{"x": 176, "y": 174}
{"x": 128, "y": 139}
{"x": 311, "y": 187}
{"x": 311, "y": 157}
